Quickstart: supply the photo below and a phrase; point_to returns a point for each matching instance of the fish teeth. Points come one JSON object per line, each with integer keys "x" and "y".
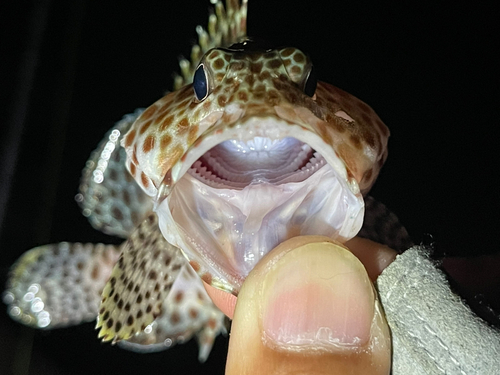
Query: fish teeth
{"x": 236, "y": 164}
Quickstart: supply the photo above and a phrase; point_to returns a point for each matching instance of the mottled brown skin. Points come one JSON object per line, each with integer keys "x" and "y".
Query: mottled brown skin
{"x": 260, "y": 84}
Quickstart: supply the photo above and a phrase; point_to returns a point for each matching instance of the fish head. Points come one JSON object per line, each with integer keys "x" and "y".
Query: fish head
{"x": 253, "y": 152}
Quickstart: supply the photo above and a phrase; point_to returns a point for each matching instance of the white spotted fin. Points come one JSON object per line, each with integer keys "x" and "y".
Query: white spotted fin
{"x": 59, "y": 285}
{"x": 227, "y": 26}
{"x": 140, "y": 282}
{"x": 186, "y": 311}
{"x": 109, "y": 197}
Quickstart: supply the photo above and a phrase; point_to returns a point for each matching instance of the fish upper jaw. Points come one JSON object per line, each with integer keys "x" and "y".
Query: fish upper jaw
{"x": 274, "y": 124}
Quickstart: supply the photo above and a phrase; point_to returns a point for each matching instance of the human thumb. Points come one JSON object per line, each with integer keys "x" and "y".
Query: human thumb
{"x": 308, "y": 307}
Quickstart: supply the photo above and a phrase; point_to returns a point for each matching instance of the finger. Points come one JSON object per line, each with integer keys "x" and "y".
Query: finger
{"x": 374, "y": 256}
{"x": 308, "y": 307}
{"x": 225, "y": 301}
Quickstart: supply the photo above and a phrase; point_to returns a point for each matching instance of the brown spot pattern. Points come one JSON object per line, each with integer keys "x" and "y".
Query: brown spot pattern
{"x": 146, "y": 126}
{"x": 95, "y": 272}
{"x": 194, "y": 265}
{"x": 273, "y": 64}
{"x": 165, "y": 123}
{"x": 183, "y": 123}
{"x": 218, "y": 64}
{"x": 175, "y": 318}
{"x": 178, "y": 297}
{"x": 221, "y": 100}
{"x": 130, "y": 138}
{"x": 299, "y": 57}
{"x": 295, "y": 69}
{"x": 165, "y": 141}
{"x": 144, "y": 180}
{"x": 287, "y": 52}
{"x": 146, "y": 115}
{"x": 207, "y": 277}
{"x": 193, "y": 313}
{"x": 256, "y": 81}
{"x": 193, "y": 134}
{"x": 149, "y": 144}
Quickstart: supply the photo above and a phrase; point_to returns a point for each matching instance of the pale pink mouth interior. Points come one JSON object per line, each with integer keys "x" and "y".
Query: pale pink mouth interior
{"x": 235, "y": 164}
{"x": 243, "y": 197}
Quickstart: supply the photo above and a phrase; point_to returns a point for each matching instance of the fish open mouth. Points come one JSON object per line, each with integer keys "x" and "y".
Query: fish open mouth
{"x": 237, "y": 197}
{"x": 235, "y": 164}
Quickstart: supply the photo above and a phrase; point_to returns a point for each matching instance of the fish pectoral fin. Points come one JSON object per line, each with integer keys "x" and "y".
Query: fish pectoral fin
{"x": 59, "y": 285}
{"x": 206, "y": 337}
{"x": 139, "y": 283}
{"x": 108, "y": 196}
{"x": 187, "y": 311}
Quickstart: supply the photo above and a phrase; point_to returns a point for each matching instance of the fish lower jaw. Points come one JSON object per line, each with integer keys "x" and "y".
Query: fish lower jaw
{"x": 226, "y": 230}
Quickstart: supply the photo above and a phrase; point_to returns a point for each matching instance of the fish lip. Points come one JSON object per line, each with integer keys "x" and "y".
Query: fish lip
{"x": 245, "y": 128}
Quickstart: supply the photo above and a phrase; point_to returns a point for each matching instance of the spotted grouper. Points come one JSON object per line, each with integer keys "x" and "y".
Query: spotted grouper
{"x": 248, "y": 151}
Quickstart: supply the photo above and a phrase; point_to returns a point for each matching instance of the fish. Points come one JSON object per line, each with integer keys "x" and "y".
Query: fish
{"x": 248, "y": 150}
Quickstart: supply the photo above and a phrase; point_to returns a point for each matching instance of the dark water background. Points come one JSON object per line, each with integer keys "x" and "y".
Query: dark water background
{"x": 69, "y": 70}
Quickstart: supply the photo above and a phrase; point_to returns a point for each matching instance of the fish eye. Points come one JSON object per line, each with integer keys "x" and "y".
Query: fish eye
{"x": 311, "y": 83}
{"x": 200, "y": 83}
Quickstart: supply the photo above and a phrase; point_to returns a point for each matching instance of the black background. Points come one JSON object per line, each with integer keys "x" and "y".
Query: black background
{"x": 427, "y": 68}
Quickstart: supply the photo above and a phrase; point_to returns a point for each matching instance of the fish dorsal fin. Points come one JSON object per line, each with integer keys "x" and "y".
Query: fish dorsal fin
{"x": 109, "y": 197}
{"x": 139, "y": 282}
{"x": 228, "y": 25}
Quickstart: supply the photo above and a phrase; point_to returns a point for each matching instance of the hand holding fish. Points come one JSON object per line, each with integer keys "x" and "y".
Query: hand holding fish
{"x": 284, "y": 325}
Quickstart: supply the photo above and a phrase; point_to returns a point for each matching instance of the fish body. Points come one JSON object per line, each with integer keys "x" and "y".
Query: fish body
{"x": 248, "y": 151}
